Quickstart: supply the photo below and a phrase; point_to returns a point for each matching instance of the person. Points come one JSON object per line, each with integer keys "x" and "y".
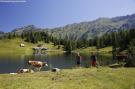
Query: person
{"x": 93, "y": 60}
{"x": 78, "y": 59}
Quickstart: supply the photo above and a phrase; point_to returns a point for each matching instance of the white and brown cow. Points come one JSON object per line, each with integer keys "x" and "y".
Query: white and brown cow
{"x": 25, "y": 71}
{"x": 38, "y": 64}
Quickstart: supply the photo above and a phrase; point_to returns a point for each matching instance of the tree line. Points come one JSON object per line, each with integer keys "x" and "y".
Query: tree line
{"x": 120, "y": 41}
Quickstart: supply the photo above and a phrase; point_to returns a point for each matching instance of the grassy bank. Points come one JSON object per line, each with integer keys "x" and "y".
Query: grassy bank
{"x": 103, "y": 53}
{"x": 12, "y": 47}
{"x": 106, "y": 50}
{"x": 82, "y": 78}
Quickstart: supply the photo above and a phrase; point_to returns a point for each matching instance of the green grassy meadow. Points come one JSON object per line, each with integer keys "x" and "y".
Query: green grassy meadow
{"x": 80, "y": 78}
{"x": 88, "y": 50}
{"x": 12, "y": 47}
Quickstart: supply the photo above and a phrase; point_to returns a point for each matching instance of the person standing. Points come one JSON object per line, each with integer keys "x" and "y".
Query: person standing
{"x": 78, "y": 59}
{"x": 93, "y": 60}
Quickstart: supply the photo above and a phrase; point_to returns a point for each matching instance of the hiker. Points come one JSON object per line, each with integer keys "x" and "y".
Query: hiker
{"x": 78, "y": 59}
{"x": 93, "y": 60}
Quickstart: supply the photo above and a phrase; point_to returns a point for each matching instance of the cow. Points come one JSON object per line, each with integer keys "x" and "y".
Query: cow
{"x": 22, "y": 45}
{"x": 121, "y": 58}
{"x": 55, "y": 70}
{"x": 37, "y": 64}
{"x": 25, "y": 71}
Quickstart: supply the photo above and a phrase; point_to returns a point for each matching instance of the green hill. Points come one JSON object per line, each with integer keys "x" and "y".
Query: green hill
{"x": 12, "y": 47}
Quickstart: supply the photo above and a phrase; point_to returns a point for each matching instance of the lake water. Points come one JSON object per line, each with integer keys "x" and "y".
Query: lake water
{"x": 12, "y": 63}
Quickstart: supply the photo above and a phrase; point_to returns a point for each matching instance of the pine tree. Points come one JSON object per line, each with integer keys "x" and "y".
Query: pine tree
{"x": 131, "y": 54}
{"x": 114, "y": 45}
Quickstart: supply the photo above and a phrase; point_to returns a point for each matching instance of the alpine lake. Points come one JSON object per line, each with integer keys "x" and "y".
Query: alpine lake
{"x": 11, "y": 63}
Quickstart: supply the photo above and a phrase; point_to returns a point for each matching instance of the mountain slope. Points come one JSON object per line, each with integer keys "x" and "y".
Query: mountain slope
{"x": 87, "y": 30}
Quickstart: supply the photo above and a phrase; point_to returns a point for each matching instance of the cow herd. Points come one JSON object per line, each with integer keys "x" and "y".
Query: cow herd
{"x": 36, "y": 64}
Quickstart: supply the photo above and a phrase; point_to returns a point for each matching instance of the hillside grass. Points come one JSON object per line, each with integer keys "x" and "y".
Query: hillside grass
{"x": 80, "y": 78}
{"x": 107, "y": 51}
{"x": 12, "y": 47}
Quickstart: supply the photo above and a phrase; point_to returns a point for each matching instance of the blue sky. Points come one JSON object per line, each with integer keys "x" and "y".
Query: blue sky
{"x": 55, "y": 13}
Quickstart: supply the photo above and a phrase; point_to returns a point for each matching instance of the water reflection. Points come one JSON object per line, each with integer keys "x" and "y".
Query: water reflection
{"x": 62, "y": 61}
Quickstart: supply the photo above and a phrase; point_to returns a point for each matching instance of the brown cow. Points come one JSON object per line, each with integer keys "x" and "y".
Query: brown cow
{"x": 121, "y": 57}
{"x": 37, "y": 64}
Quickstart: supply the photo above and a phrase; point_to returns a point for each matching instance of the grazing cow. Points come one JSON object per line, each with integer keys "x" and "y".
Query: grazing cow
{"x": 25, "y": 71}
{"x": 37, "y": 64}
{"x": 22, "y": 45}
{"x": 121, "y": 58}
